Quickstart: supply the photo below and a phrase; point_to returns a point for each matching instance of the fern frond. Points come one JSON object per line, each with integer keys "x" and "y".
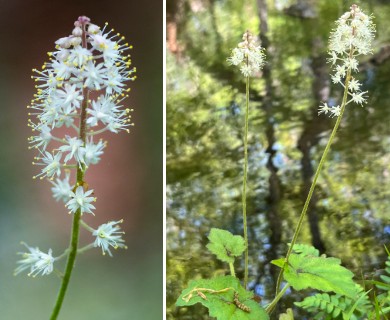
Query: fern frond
{"x": 382, "y": 301}
{"x": 336, "y": 306}
{"x": 325, "y": 304}
{"x": 385, "y": 278}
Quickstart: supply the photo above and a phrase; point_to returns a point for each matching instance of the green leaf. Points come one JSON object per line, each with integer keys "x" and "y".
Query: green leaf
{"x": 306, "y": 250}
{"x": 321, "y": 273}
{"x": 287, "y": 316}
{"x": 225, "y": 245}
{"x": 279, "y": 262}
{"x": 218, "y": 294}
{"x": 325, "y": 274}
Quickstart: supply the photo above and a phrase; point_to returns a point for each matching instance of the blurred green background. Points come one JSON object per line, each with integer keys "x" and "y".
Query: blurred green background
{"x": 349, "y": 215}
{"x": 127, "y": 182}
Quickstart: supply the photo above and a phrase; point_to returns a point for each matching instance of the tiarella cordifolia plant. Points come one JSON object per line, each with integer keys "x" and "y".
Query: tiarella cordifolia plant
{"x": 303, "y": 267}
{"x": 224, "y": 296}
{"x": 79, "y": 96}
{"x": 352, "y": 37}
{"x": 250, "y": 57}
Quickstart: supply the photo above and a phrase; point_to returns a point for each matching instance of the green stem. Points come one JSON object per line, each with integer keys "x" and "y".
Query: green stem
{"x": 77, "y": 215}
{"x": 273, "y": 303}
{"x": 86, "y": 226}
{"x": 244, "y": 183}
{"x": 80, "y": 250}
{"x": 232, "y": 272}
{"x": 312, "y": 187}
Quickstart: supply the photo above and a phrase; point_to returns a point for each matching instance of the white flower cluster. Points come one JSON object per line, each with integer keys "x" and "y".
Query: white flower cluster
{"x": 352, "y": 37}
{"x": 107, "y": 235}
{"x": 248, "y": 55}
{"x": 79, "y": 95}
{"x": 37, "y": 261}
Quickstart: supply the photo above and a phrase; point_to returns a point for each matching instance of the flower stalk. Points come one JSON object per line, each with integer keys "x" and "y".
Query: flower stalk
{"x": 244, "y": 218}
{"x": 74, "y": 241}
{"x": 250, "y": 57}
{"x": 351, "y": 38}
{"x": 90, "y": 60}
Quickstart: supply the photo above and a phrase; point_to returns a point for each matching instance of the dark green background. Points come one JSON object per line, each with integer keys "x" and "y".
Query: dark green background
{"x": 205, "y": 121}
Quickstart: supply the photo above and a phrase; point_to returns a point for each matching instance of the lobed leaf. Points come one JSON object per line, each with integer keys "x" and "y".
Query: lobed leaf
{"x": 225, "y": 245}
{"x": 306, "y": 250}
{"x": 217, "y": 294}
{"x": 325, "y": 274}
{"x": 307, "y": 270}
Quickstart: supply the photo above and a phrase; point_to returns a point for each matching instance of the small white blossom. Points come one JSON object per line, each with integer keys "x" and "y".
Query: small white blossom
{"x": 95, "y": 75}
{"x": 100, "y": 111}
{"x": 37, "y": 261}
{"x": 62, "y": 189}
{"x": 81, "y": 200}
{"x": 92, "y": 152}
{"x": 335, "y": 111}
{"x": 43, "y": 139}
{"x": 75, "y": 149}
{"x": 324, "y": 109}
{"x": 248, "y": 56}
{"x": 109, "y": 235}
{"x": 69, "y": 97}
{"x": 354, "y": 85}
{"x": 358, "y": 97}
{"x": 79, "y": 56}
{"x": 52, "y": 164}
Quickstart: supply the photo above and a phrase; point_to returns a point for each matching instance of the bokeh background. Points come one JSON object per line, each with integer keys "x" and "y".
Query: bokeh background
{"x": 349, "y": 215}
{"x": 127, "y": 182}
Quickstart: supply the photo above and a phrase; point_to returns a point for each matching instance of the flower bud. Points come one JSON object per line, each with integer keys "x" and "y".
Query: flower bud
{"x": 93, "y": 28}
{"x": 75, "y": 41}
{"x": 64, "y": 42}
{"x": 77, "y": 32}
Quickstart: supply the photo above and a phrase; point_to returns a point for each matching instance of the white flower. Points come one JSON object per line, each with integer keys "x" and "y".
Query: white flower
{"x": 324, "y": 109}
{"x": 81, "y": 200}
{"x": 352, "y": 37}
{"x": 100, "y": 111}
{"x": 37, "y": 261}
{"x": 236, "y": 57}
{"x": 354, "y": 85}
{"x": 100, "y": 42}
{"x": 62, "y": 189}
{"x": 52, "y": 164}
{"x": 95, "y": 76}
{"x": 336, "y": 78}
{"x": 75, "y": 149}
{"x": 92, "y": 152}
{"x": 62, "y": 69}
{"x": 114, "y": 80}
{"x": 79, "y": 56}
{"x": 107, "y": 235}
{"x": 70, "y": 96}
{"x": 335, "y": 111}
{"x": 358, "y": 97}
{"x": 43, "y": 139}
{"x": 248, "y": 55}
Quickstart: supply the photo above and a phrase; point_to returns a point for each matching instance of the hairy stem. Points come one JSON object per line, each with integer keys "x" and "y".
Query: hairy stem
{"x": 231, "y": 267}
{"x": 312, "y": 187}
{"x": 244, "y": 183}
{"x": 77, "y": 215}
{"x": 273, "y": 303}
